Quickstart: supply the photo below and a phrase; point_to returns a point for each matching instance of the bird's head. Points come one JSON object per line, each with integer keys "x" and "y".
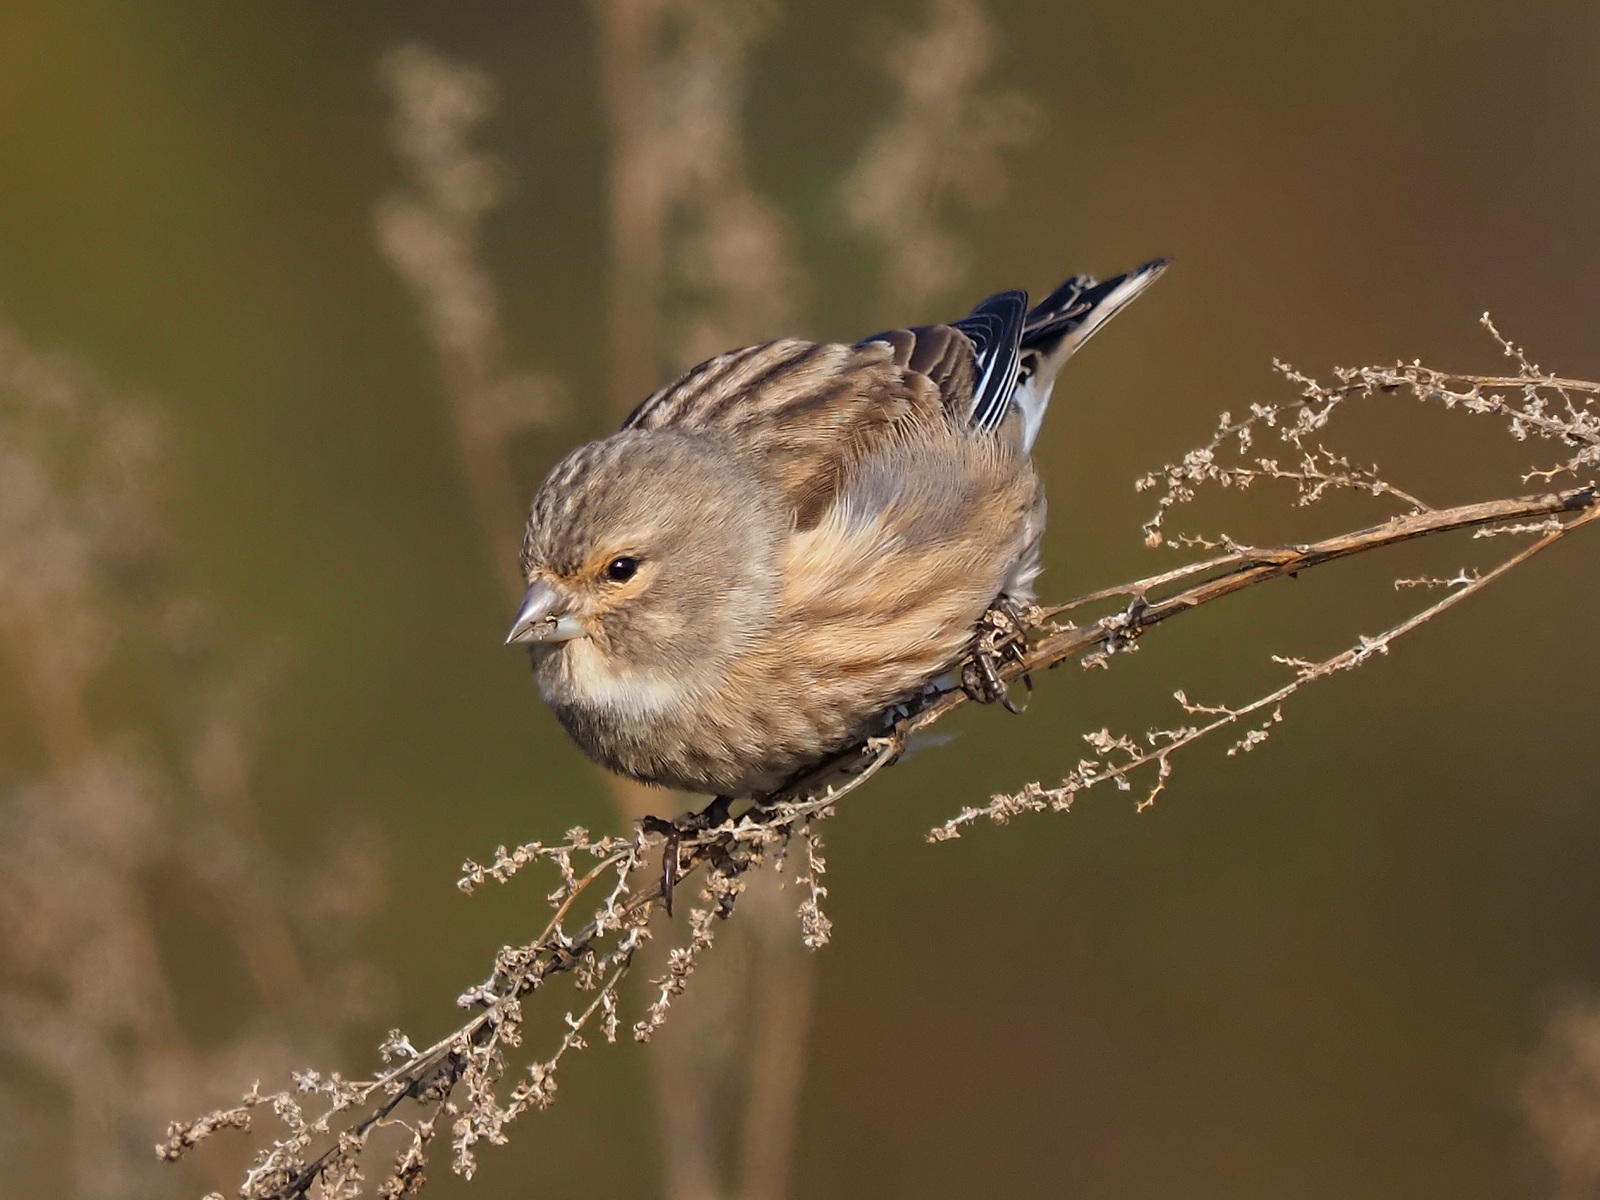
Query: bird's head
{"x": 651, "y": 559}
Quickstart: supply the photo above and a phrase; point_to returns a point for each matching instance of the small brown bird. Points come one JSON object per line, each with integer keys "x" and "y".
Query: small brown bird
{"x": 793, "y": 537}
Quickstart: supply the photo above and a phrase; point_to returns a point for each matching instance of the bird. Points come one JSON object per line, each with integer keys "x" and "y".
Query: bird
{"x": 793, "y": 537}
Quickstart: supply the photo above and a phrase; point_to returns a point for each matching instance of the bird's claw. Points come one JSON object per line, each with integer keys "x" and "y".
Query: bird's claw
{"x": 673, "y": 831}
{"x": 1002, "y": 639}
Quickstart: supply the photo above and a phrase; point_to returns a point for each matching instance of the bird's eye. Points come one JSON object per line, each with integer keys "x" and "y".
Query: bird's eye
{"x": 620, "y": 570}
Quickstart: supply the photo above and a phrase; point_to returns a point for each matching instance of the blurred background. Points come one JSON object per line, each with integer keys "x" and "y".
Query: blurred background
{"x": 297, "y": 304}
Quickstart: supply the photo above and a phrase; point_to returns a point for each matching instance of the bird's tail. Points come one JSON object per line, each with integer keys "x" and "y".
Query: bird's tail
{"x": 1060, "y": 323}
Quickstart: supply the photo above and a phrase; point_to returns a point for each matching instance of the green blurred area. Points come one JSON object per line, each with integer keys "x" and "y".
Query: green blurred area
{"x": 1312, "y": 971}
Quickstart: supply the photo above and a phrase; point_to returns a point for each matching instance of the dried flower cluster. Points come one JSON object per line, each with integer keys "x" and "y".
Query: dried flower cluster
{"x": 603, "y": 900}
{"x": 1533, "y": 403}
{"x": 619, "y": 882}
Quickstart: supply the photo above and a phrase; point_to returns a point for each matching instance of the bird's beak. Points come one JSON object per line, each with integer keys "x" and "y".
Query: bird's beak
{"x": 543, "y": 618}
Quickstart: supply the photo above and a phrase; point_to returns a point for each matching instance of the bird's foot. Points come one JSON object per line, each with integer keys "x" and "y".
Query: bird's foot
{"x": 1002, "y": 639}
{"x": 674, "y": 831}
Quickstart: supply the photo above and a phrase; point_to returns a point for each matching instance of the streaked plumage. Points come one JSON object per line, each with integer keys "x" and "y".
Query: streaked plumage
{"x": 790, "y": 538}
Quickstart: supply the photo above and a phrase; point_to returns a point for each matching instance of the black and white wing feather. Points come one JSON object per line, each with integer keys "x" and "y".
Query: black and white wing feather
{"x": 804, "y": 410}
{"x": 1063, "y": 321}
{"x": 995, "y": 329}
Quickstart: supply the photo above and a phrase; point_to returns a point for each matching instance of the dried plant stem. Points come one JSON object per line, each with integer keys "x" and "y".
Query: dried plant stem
{"x": 1253, "y": 565}
{"x": 700, "y": 261}
{"x": 1288, "y": 560}
{"x": 459, "y": 1076}
{"x": 1165, "y": 743}
{"x": 431, "y": 233}
{"x": 431, "y": 1076}
{"x": 685, "y": 221}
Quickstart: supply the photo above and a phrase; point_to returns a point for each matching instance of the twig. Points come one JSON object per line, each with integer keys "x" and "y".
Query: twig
{"x": 470, "y": 1062}
{"x": 1165, "y": 743}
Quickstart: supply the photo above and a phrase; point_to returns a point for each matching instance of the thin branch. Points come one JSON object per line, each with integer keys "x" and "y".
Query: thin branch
{"x": 1239, "y": 571}
{"x": 459, "y": 1075}
{"x": 1164, "y": 743}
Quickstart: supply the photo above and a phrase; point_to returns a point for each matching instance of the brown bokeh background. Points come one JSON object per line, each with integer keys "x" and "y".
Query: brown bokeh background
{"x": 1319, "y": 970}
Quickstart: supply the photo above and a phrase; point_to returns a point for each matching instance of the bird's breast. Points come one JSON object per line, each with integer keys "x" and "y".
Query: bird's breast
{"x": 584, "y": 678}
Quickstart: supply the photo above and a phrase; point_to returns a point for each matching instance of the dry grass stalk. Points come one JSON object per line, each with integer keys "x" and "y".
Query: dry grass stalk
{"x": 1560, "y": 1097}
{"x": 700, "y": 261}
{"x": 689, "y": 235}
{"x": 459, "y": 1077}
{"x": 88, "y": 1004}
{"x": 432, "y": 237}
{"x": 942, "y": 150}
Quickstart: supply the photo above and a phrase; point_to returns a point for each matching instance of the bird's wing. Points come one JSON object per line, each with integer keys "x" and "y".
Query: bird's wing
{"x": 1063, "y": 321}
{"x": 801, "y": 410}
{"x": 973, "y": 362}
{"x": 995, "y": 329}
{"x": 807, "y": 411}
{"x": 1075, "y": 311}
